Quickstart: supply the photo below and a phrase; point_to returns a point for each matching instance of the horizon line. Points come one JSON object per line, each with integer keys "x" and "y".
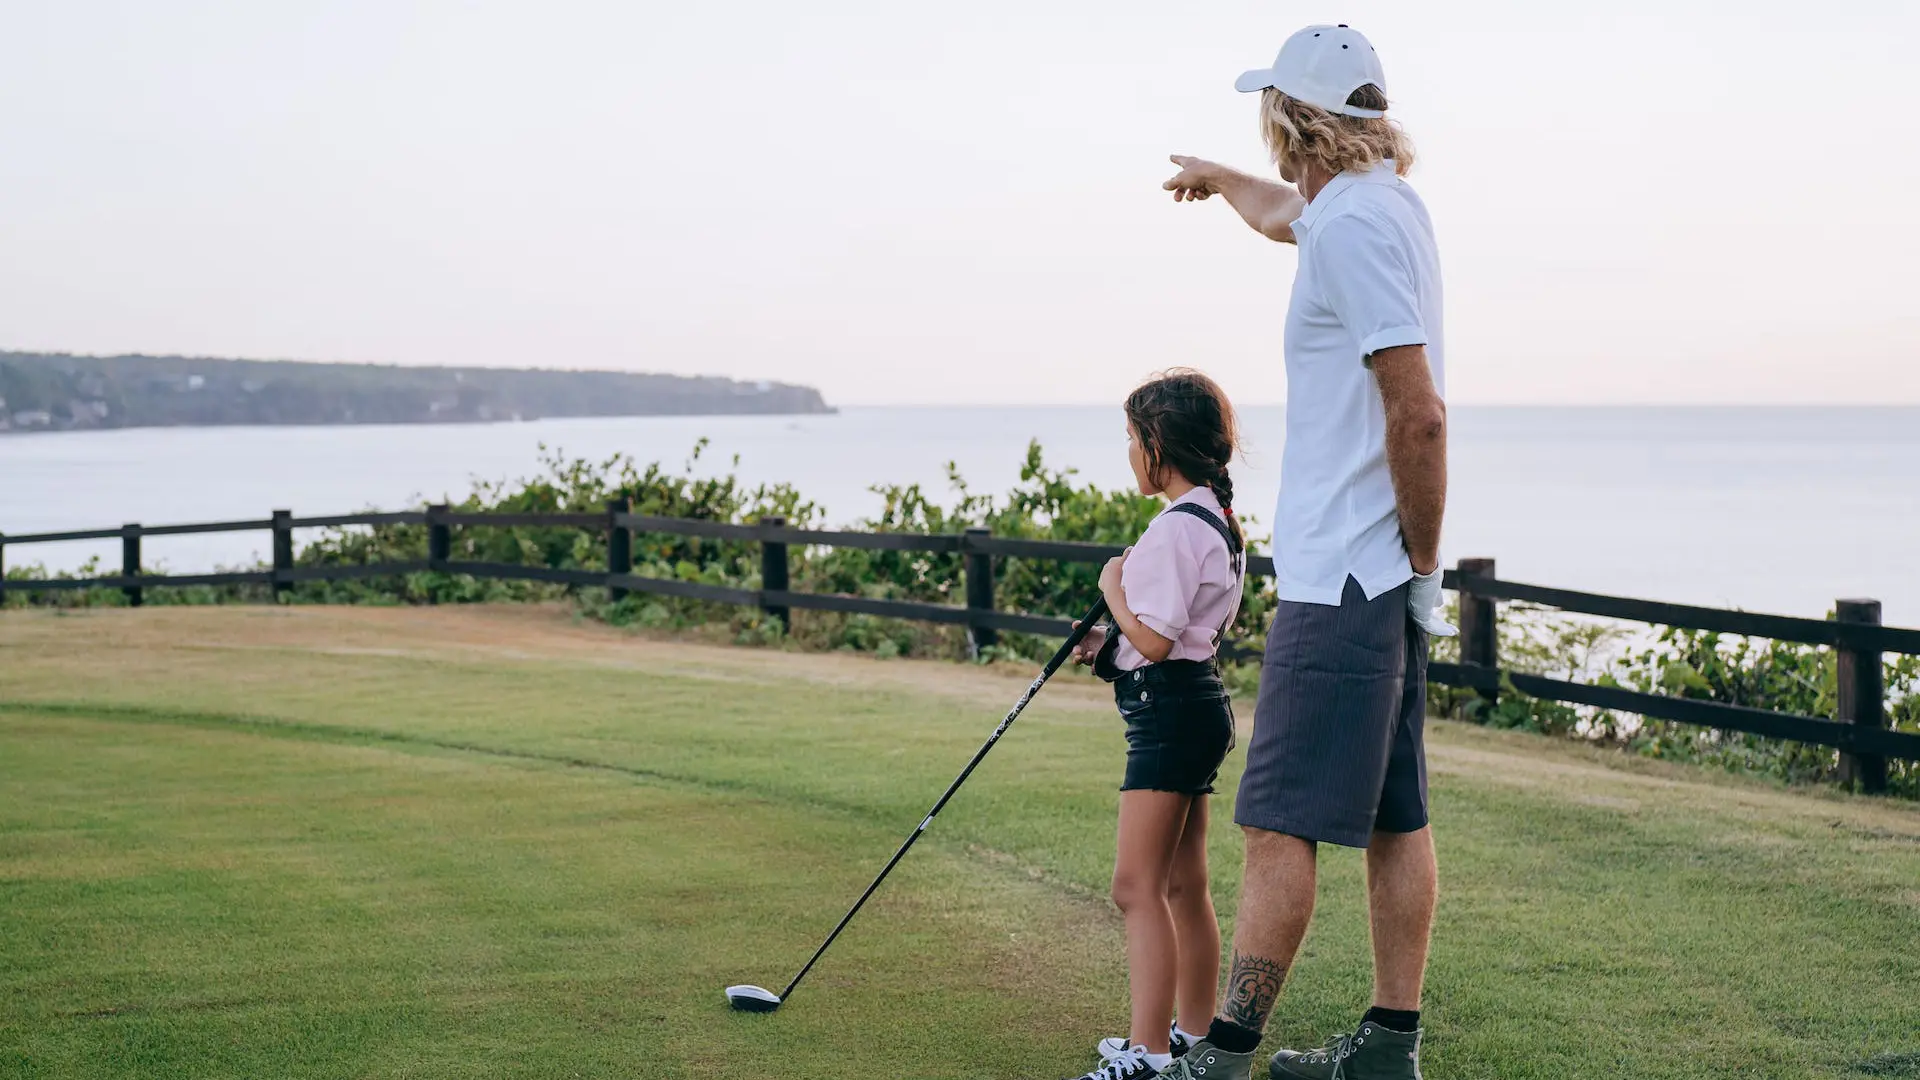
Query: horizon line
{"x": 1886, "y": 405}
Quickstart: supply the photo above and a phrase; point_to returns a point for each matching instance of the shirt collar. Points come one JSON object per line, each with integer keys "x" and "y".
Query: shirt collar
{"x": 1383, "y": 172}
{"x": 1202, "y": 494}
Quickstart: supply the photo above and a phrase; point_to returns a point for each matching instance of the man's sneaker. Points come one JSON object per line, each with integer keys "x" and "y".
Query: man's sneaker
{"x": 1130, "y": 1064}
{"x": 1205, "y": 1061}
{"x": 1371, "y": 1053}
{"x": 1177, "y": 1045}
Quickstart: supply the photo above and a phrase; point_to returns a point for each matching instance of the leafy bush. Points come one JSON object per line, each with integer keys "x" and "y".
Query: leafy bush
{"x": 1534, "y": 641}
{"x": 172, "y": 595}
{"x": 1763, "y": 674}
{"x": 64, "y": 598}
{"x": 1697, "y": 664}
{"x": 565, "y": 486}
{"x": 1046, "y": 503}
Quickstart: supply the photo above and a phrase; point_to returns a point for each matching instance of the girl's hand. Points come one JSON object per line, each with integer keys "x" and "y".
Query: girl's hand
{"x": 1089, "y": 648}
{"x": 1110, "y": 574}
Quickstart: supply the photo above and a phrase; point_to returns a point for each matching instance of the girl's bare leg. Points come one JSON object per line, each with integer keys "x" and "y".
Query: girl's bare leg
{"x": 1151, "y": 824}
{"x": 1195, "y": 926}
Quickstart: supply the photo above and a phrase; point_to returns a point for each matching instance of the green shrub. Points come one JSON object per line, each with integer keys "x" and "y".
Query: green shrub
{"x": 172, "y": 595}
{"x": 1696, "y": 664}
{"x": 1762, "y": 674}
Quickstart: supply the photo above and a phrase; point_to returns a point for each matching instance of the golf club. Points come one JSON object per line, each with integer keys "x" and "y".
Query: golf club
{"x": 759, "y": 999}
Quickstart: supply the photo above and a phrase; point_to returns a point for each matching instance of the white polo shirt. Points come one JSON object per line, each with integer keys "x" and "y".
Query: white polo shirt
{"x": 1369, "y": 279}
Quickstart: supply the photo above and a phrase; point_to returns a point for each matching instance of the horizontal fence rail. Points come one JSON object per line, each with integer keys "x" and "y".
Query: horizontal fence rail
{"x": 1745, "y": 623}
{"x": 1858, "y": 732}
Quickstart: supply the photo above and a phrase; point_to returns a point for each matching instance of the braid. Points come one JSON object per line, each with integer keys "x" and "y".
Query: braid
{"x": 1221, "y": 484}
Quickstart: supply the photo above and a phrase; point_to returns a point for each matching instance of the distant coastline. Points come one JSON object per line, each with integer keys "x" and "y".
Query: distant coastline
{"x": 62, "y": 392}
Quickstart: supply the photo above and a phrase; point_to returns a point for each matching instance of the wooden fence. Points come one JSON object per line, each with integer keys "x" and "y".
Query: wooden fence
{"x": 1858, "y": 730}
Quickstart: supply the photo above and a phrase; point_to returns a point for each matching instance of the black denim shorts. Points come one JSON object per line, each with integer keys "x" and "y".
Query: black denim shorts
{"x": 1179, "y": 726}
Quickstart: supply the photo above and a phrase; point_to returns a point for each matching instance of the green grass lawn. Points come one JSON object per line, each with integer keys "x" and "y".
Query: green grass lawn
{"x": 252, "y": 842}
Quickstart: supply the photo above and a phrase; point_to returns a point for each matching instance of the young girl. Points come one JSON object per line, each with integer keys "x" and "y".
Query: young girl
{"x": 1172, "y": 595}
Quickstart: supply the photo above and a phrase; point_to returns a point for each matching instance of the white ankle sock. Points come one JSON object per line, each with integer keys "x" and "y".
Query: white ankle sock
{"x": 1188, "y": 1035}
{"x": 1160, "y": 1062}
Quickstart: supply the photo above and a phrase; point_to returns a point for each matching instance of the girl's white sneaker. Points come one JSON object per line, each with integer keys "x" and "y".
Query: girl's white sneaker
{"x": 1109, "y": 1049}
{"x": 1129, "y": 1064}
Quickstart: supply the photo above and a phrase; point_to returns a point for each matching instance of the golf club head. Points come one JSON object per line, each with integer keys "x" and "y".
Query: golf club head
{"x": 752, "y": 999}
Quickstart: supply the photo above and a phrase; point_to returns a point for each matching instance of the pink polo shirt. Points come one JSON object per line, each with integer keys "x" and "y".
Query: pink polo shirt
{"x": 1180, "y": 583}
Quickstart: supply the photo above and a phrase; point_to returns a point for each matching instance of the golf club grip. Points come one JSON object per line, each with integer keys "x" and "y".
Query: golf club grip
{"x": 1094, "y": 614}
{"x": 1079, "y": 634}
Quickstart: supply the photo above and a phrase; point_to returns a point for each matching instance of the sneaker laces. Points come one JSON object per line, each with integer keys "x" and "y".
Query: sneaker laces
{"x": 1119, "y": 1068}
{"x": 1338, "y": 1051}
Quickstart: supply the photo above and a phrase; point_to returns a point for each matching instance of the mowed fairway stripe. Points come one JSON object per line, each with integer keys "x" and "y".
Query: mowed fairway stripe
{"x": 192, "y": 901}
{"x": 399, "y": 741}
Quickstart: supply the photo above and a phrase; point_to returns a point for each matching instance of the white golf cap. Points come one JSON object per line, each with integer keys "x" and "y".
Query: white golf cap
{"x": 1323, "y": 66}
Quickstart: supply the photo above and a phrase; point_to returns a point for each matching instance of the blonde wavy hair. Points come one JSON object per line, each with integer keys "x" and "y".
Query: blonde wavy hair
{"x": 1311, "y": 135}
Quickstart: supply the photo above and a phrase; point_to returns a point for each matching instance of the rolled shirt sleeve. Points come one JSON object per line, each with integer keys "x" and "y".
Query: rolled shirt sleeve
{"x": 1368, "y": 283}
{"x": 1162, "y": 576}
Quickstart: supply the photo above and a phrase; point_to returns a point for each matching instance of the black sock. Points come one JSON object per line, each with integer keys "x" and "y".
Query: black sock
{"x": 1404, "y": 1021}
{"x": 1231, "y": 1037}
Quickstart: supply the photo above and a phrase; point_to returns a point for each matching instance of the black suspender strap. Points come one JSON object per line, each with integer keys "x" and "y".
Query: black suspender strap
{"x": 1233, "y": 542}
{"x": 1236, "y": 556}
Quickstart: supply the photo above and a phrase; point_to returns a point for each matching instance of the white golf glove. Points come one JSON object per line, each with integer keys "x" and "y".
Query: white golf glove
{"x": 1423, "y": 601}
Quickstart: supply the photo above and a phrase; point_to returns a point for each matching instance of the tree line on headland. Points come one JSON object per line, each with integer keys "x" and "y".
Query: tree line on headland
{"x": 58, "y": 392}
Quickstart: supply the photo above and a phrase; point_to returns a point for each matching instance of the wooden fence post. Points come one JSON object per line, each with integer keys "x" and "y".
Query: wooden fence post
{"x": 979, "y": 573}
{"x": 619, "y": 545}
{"x": 773, "y": 572}
{"x": 282, "y": 552}
{"x": 1479, "y": 623}
{"x": 439, "y": 543}
{"x": 130, "y": 562}
{"x": 1861, "y": 696}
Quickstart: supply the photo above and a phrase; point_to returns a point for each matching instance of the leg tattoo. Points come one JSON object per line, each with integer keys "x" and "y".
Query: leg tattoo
{"x": 1253, "y": 985}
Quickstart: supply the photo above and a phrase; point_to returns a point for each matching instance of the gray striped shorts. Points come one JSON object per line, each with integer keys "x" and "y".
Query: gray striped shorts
{"x": 1338, "y": 748}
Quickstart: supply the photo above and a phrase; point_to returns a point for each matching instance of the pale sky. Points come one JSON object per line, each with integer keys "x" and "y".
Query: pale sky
{"x": 1675, "y": 202}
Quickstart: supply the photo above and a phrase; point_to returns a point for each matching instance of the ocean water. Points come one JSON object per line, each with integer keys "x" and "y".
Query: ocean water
{"x": 1779, "y": 510}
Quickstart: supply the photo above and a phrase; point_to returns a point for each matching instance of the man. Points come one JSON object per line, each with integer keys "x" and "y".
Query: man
{"x": 1337, "y": 753}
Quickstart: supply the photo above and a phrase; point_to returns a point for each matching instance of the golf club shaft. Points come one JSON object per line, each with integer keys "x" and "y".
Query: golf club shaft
{"x": 1093, "y": 615}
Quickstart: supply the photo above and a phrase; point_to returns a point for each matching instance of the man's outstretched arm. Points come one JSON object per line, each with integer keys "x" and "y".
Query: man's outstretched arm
{"x": 1268, "y": 208}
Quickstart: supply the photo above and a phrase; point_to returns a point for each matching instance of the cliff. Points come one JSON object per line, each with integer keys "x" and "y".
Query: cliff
{"x": 40, "y": 392}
